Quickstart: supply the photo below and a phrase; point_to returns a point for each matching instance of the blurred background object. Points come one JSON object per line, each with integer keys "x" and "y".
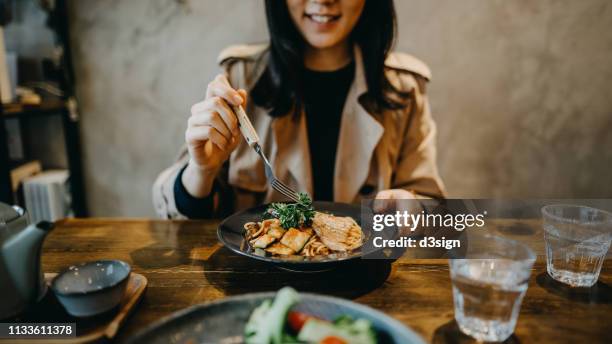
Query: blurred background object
{"x": 520, "y": 88}
{"x": 39, "y": 117}
{"x": 7, "y": 73}
{"x": 46, "y": 195}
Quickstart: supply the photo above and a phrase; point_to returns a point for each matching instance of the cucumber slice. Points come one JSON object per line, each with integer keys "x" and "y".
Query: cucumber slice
{"x": 267, "y": 322}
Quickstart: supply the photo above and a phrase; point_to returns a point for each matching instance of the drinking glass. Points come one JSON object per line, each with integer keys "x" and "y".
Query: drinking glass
{"x": 577, "y": 241}
{"x": 489, "y": 283}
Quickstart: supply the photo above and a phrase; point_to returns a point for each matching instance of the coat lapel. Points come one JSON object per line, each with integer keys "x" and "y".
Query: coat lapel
{"x": 358, "y": 138}
{"x": 292, "y": 152}
{"x": 359, "y": 135}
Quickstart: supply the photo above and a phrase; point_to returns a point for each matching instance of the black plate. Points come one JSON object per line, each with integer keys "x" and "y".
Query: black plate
{"x": 223, "y": 321}
{"x": 231, "y": 234}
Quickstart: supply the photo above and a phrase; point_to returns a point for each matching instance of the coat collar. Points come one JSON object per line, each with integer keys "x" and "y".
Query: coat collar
{"x": 292, "y": 151}
{"x": 360, "y": 133}
{"x": 357, "y": 140}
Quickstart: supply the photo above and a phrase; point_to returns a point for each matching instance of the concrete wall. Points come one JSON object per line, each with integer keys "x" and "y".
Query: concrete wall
{"x": 520, "y": 91}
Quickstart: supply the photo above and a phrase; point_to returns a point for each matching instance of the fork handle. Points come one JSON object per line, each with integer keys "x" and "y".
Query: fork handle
{"x": 246, "y": 127}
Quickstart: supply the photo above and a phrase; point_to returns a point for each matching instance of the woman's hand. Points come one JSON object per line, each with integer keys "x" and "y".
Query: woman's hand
{"x": 212, "y": 135}
{"x": 386, "y": 199}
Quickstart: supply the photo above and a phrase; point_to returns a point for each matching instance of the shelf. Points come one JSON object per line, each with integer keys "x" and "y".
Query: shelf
{"x": 51, "y": 106}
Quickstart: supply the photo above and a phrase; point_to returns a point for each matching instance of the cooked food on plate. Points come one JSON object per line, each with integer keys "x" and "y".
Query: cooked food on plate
{"x": 297, "y": 229}
{"x": 337, "y": 233}
{"x": 273, "y": 322}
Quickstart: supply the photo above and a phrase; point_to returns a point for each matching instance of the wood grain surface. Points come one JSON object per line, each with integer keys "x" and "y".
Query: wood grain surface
{"x": 185, "y": 265}
{"x": 94, "y": 329}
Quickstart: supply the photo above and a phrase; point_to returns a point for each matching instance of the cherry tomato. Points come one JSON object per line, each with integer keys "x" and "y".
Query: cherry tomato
{"x": 333, "y": 340}
{"x": 297, "y": 319}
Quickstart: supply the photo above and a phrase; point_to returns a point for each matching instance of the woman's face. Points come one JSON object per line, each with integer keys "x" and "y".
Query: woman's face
{"x": 325, "y": 23}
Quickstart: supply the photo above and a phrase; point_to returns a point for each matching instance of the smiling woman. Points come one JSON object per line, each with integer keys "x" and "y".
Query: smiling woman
{"x": 325, "y": 28}
{"x": 319, "y": 36}
{"x": 340, "y": 116}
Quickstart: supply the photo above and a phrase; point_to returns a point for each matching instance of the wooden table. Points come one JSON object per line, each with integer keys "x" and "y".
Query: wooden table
{"x": 186, "y": 265}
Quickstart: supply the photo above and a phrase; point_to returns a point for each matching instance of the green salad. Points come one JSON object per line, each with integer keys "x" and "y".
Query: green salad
{"x": 273, "y": 322}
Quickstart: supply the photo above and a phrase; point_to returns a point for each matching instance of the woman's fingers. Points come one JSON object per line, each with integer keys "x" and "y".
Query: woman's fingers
{"x": 227, "y": 114}
{"x": 385, "y": 194}
{"x": 215, "y": 108}
{"x": 395, "y": 194}
{"x": 385, "y": 201}
{"x": 210, "y": 119}
{"x": 220, "y": 87}
{"x": 244, "y": 95}
{"x": 213, "y": 123}
{"x": 195, "y": 135}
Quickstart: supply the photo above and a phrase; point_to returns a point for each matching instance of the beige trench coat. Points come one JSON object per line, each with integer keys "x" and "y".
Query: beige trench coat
{"x": 376, "y": 151}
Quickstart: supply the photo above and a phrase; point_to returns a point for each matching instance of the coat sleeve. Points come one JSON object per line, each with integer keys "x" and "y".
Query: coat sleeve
{"x": 163, "y": 188}
{"x": 417, "y": 169}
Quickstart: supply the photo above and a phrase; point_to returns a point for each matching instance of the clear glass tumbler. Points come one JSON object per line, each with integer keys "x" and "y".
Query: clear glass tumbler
{"x": 489, "y": 283}
{"x": 577, "y": 241}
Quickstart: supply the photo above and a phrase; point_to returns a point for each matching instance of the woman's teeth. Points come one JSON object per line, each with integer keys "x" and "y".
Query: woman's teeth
{"x": 321, "y": 18}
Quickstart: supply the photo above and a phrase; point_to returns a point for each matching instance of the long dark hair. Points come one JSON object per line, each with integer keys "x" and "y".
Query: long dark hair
{"x": 279, "y": 89}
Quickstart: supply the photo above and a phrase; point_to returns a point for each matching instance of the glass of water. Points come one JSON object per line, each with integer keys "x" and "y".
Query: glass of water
{"x": 577, "y": 241}
{"x": 489, "y": 283}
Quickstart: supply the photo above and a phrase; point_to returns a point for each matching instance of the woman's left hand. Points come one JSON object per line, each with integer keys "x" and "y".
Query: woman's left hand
{"x": 395, "y": 194}
{"x": 386, "y": 200}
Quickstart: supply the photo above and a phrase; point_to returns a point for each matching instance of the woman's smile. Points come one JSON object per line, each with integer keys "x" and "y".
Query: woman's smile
{"x": 321, "y": 17}
{"x": 325, "y": 24}
{"x": 321, "y": 24}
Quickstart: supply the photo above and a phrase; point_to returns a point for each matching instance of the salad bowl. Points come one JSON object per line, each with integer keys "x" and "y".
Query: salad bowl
{"x": 225, "y": 321}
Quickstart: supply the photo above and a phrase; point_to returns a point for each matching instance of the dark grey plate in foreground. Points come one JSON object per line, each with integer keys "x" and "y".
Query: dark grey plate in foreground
{"x": 231, "y": 234}
{"x": 222, "y": 322}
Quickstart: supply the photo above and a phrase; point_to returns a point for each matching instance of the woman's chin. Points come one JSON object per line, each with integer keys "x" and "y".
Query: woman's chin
{"x": 322, "y": 41}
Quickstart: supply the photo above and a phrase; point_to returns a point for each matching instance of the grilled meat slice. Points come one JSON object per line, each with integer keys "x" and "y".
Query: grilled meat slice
{"x": 263, "y": 241}
{"x": 269, "y": 223}
{"x": 280, "y": 249}
{"x": 338, "y": 233}
{"x": 296, "y": 239}
{"x": 276, "y": 232}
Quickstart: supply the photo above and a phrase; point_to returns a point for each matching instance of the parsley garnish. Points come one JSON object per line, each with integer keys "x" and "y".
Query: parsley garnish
{"x": 292, "y": 215}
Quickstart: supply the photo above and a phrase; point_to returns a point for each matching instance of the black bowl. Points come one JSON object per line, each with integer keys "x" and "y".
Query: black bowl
{"x": 231, "y": 234}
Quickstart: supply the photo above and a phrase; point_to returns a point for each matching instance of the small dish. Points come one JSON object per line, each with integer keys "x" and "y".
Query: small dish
{"x": 91, "y": 288}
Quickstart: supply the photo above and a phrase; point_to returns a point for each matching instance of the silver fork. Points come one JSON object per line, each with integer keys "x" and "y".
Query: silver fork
{"x": 250, "y": 135}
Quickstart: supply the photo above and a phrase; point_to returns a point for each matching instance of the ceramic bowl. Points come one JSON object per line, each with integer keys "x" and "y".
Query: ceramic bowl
{"x": 91, "y": 288}
{"x": 223, "y": 321}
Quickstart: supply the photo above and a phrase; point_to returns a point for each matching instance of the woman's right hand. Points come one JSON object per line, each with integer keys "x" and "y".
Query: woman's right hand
{"x": 212, "y": 135}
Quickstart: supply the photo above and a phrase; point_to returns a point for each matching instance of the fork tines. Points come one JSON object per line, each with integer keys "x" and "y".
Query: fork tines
{"x": 276, "y": 184}
{"x": 285, "y": 190}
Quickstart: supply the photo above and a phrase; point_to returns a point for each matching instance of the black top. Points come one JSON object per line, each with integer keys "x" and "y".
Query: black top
{"x": 324, "y": 97}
